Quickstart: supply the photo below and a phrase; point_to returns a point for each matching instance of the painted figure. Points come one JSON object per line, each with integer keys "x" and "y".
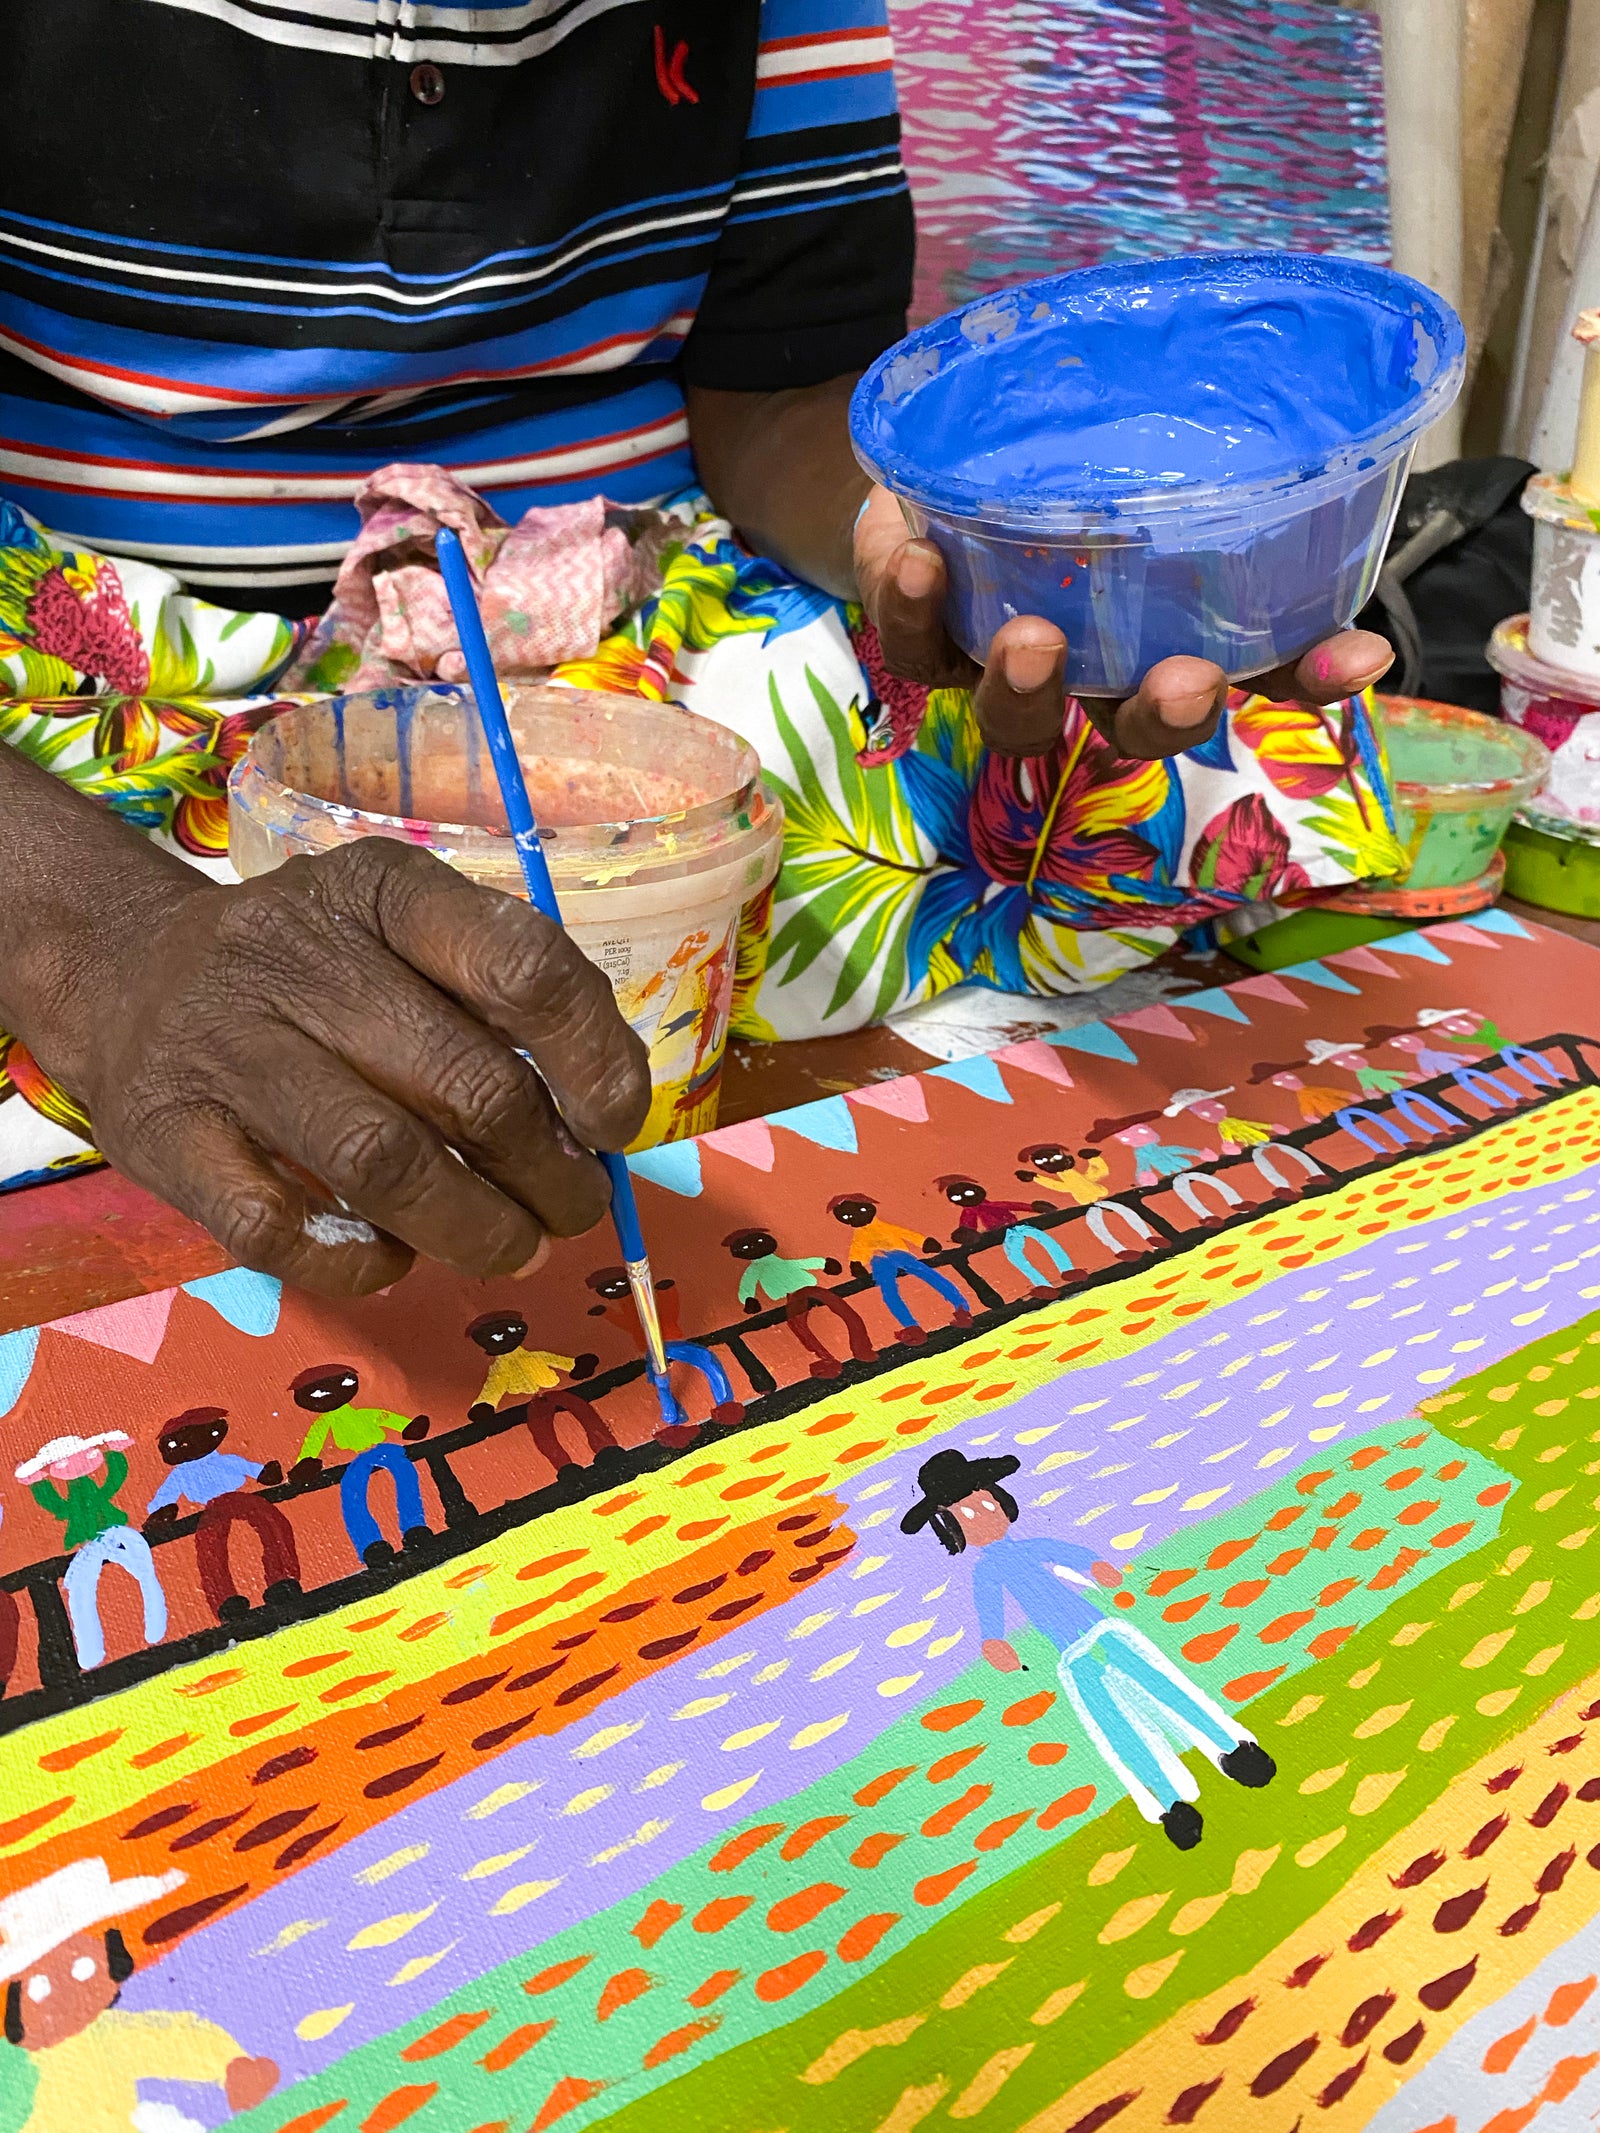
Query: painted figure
{"x": 891, "y": 1255}
{"x": 76, "y": 1479}
{"x": 610, "y": 1284}
{"x": 1137, "y": 1708}
{"x": 1463, "y": 1025}
{"x": 1153, "y": 1158}
{"x": 793, "y": 1283}
{"x": 326, "y": 1392}
{"x": 1234, "y": 1134}
{"x": 1370, "y": 1080}
{"x": 1430, "y": 1060}
{"x": 516, "y": 1370}
{"x": 213, "y": 1480}
{"x": 1313, "y": 1103}
{"x": 1082, "y": 1179}
{"x": 75, "y": 2059}
{"x": 981, "y": 1216}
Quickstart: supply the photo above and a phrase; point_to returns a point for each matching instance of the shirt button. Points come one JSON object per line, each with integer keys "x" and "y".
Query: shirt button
{"x": 427, "y": 84}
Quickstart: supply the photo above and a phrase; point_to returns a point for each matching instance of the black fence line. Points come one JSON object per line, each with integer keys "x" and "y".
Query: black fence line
{"x": 64, "y": 1686}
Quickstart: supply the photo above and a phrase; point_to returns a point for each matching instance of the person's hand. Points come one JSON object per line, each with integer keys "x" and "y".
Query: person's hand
{"x": 249, "y": 2082}
{"x": 1106, "y": 1574}
{"x": 322, "y": 1066}
{"x": 166, "y": 1516}
{"x": 270, "y": 1475}
{"x": 1001, "y": 1654}
{"x": 1017, "y": 694}
{"x": 416, "y": 1429}
{"x": 584, "y": 1366}
{"x": 305, "y": 1470}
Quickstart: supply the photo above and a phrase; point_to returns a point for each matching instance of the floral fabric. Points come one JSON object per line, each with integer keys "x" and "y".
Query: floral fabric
{"x": 912, "y": 859}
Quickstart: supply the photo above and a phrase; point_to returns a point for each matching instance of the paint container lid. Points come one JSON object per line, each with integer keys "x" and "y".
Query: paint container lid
{"x": 1552, "y": 498}
{"x": 1507, "y": 652}
{"x": 1297, "y": 374}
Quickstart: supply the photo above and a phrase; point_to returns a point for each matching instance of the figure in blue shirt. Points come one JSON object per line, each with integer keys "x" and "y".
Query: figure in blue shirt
{"x": 213, "y": 1480}
{"x": 1130, "y": 1699}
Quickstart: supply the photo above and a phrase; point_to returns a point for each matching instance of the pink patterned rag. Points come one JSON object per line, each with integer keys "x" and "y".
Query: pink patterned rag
{"x": 550, "y": 586}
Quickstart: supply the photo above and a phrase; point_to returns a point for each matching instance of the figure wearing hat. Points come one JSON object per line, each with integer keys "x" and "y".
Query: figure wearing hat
{"x": 1371, "y": 1080}
{"x": 1153, "y": 1158}
{"x": 73, "y": 2059}
{"x": 1312, "y": 1102}
{"x": 1207, "y": 1104}
{"x": 1134, "y": 1704}
{"x": 76, "y": 1479}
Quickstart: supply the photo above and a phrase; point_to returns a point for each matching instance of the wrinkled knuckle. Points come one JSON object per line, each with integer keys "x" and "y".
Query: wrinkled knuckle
{"x": 381, "y": 1147}
{"x": 620, "y": 1095}
{"x": 256, "y": 1229}
{"x": 486, "y": 1092}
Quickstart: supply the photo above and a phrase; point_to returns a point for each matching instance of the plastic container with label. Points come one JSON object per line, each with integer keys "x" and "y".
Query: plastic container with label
{"x": 655, "y": 822}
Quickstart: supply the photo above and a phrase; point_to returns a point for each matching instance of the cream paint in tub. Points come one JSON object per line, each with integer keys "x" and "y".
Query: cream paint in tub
{"x": 1564, "y": 606}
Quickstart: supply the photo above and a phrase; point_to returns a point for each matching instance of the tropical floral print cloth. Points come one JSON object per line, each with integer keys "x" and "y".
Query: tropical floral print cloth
{"x": 913, "y": 860}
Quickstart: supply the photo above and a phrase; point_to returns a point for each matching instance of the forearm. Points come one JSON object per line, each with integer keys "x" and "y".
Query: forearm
{"x": 780, "y": 467}
{"x": 77, "y": 884}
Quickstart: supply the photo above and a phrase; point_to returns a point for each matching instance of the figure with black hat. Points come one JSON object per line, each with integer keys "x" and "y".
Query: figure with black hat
{"x": 1136, "y": 1707}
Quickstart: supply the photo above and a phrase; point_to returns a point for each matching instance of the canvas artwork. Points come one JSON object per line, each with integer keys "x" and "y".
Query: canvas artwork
{"x": 1111, "y": 1639}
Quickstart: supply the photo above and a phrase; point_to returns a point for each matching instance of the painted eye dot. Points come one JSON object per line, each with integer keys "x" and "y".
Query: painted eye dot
{"x": 967, "y": 1511}
{"x": 38, "y": 1988}
{"x": 83, "y": 1969}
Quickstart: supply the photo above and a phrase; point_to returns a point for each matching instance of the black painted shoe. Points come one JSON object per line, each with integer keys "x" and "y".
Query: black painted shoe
{"x": 1249, "y": 1764}
{"x": 1183, "y": 1825}
{"x": 234, "y": 1608}
{"x": 416, "y": 1537}
{"x": 280, "y": 1592}
{"x": 376, "y": 1554}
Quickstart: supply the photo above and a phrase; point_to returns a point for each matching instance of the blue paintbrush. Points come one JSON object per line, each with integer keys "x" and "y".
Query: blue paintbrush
{"x": 542, "y": 894}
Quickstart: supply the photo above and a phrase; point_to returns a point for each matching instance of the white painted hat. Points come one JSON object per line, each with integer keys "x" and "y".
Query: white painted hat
{"x": 1427, "y": 1017}
{"x": 35, "y": 1920}
{"x": 1183, "y": 1099}
{"x": 64, "y": 1447}
{"x": 1319, "y": 1050}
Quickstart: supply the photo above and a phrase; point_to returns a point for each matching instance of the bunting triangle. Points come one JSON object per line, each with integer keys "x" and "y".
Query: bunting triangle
{"x": 901, "y": 1098}
{"x": 1315, "y": 973}
{"x": 249, "y": 1302}
{"x": 1495, "y": 920}
{"x": 674, "y": 1165}
{"x": 134, "y": 1327}
{"x": 1415, "y": 944}
{"x": 17, "y": 1351}
{"x": 1032, "y": 1057}
{"x": 1471, "y": 936}
{"x": 827, "y": 1123}
{"x": 1094, "y": 1037}
{"x": 1268, "y": 987}
{"x": 979, "y": 1074}
{"x": 1156, "y": 1021}
{"x": 1215, "y": 1001}
{"x": 748, "y": 1142}
{"x": 1363, "y": 960}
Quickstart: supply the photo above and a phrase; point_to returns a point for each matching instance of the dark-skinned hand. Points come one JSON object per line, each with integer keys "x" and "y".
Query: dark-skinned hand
{"x": 1017, "y": 695}
{"x": 353, "y": 1022}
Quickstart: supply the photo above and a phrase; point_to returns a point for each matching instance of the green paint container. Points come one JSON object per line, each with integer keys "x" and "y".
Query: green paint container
{"x": 1458, "y": 779}
{"x": 1557, "y": 871}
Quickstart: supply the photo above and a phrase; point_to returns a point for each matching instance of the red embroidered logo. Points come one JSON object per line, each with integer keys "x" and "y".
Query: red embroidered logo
{"x": 670, "y": 77}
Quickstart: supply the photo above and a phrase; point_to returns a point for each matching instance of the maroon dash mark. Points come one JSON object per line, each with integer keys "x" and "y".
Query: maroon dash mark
{"x": 670, "y": 77}
{"x": 1589, "y": 1789}
{"x": 798, "y": 1519}
{"x": 1592, "y": 1712}
{"x": 274, "y": 1826}
{"x": 588, "y": 1685}
{"x": 163, "y": 1818}
{"x": 1550, "y": 1806}
{"x": 292, "y": 1854}
{"x": 1187, "y": 2107}
{"x": 1229, "y": 2025}
{"x": 1399, "y": 2049}
{"x": 538, "y": 1673}
{"x": 1519, "y": 1921}
{"x": 1457, "y": 1912}
{"x": 1418, "y": 1870}
{"x": 1566, "y": 1745}
{"x": 389, "y": 1734}
{"x": 1341, "y": 2084}
{"x": 1592, "y": 1857}
{"x": 664, "y": 1647}
{"x": 753, "y": 1562}
{"x": 1556, "y": 1872}
{"x": 171, "y": 1924}
{"x": 398, "y": 1780}
{"x": 1303, "y": 1973}
{"x": 470, "y": 1690}
{"x": 732, "y": 1608}
{"x": 632, "y": 1610}
{"x": 1491, "y": 1832}
{"x": 1103, "y": 2113}
{"x": 277, "y": 1766}
{"x": 1442, "y": 1992}
{"x": 1369, "y": 1935}
{"x": 691, "y": 1593}
{"x": 1504, "y": 1781}
{"x": 1277, "y": 2072}
{"x": 1365, "y": 2020}
{"x": 497, "y": 1736}
{"x": 204, "y": 1831}
{"x": 570, "y": 1644}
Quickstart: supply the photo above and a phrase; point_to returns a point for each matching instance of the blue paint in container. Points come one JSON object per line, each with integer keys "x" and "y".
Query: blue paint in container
{"x": 1199, "y": 455}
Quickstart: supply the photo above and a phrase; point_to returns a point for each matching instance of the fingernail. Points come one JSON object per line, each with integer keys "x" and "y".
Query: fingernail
{"x": 1029, "y": 666}
{"x": 1186, "y": 711}
{"x": 537, "y": 1261}
{"x": 916, "y": 574}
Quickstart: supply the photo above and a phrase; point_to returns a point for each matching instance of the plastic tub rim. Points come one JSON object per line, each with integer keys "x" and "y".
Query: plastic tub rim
{"x": 1459, "y": 795}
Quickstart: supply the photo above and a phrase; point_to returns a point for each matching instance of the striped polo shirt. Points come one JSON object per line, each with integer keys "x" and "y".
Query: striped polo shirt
{"x": 252, "y": 249}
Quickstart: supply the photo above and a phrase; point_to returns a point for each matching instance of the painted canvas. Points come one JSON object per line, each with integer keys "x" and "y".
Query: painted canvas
{"x": 1110, "y": 1641}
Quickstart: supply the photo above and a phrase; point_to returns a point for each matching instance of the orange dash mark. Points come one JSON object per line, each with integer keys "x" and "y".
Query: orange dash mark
{"x": 398, "y": 2106}
{"x": 809, "y": 1833}
{"x": 373, "y": 1621}
{"x": 789, "y": 1977}
{"x": 568, "y": 2093}
{"x": 1030, "y": 1708}
{"x": 1076, "y": 1802}
{"x": 934, "y": 1888}
{"x": 871, "y": 1851}
{"x": 1045, "y": 1752}
{"x": 698, "y": 1528}
{"x": 950, "y": 1715}
{"x": 316, "y": 1664}
{"x": 865, "y": 1935}
{"x": 80, "y": 1751}
{"x": 147, "y": 1758}
{"x": 644, "y": 1527}
{"x": 948, "y": 1765}
{"x": 720, "y": 1912}
{"x": 24, "y": 1825}
{"x": 719, "y": 1982}
{"x": 313, "y": 2121}
{"x": 879, "y": 1788}
{"x": 738, "y": 1849}
{"x": 659, "y": 1918}
{"x": 546, "y": 1563}
{"x": 679, "y": 2040}
{"x": 791, "y": 1912}
{"x": 619, "y": 1503}
{"x": 557, "y": 1974}
{"x": 354, "y": 1686}
{"x": 242, "y": 1728}
{"x": 621, "y": 1991}
{"x": 1245, "y": 1686}
{"x": 424, "y": 1626}
{"x": 447, "y": 2036}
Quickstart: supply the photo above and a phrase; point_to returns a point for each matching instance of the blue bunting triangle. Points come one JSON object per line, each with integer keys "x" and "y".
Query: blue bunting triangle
{"x": 16, "y": 1361}
{"x": 828, "y": 1123}
{"x": 1093, "y": 1037}
{"x": 1315, "y": 973}
{"x": 1415, "y": 944}
{"x": 249, "y": 1302}
{"x": 980, "y": 1075}
{"x": 1493, "y": 921}
{"x": 675, "y": 1165}
{"x": 1214, "y": 1001}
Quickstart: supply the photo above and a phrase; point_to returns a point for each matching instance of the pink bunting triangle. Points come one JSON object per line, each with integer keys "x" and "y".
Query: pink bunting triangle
{"x": 1034, "y": 1056}
{"x": 902, "y": 1098}
{"x": 135, "y": 1327}
{"x": 1157, "y": 1021}
{"x": 1473, "y": 936}
{"x": 748, "y": 1142}
{"x": 1267, "y": 987}
{"x": 1361, "y": 959}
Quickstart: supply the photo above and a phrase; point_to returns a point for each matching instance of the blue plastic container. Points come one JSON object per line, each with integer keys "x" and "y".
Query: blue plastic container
{"x": 1199, "y": 455}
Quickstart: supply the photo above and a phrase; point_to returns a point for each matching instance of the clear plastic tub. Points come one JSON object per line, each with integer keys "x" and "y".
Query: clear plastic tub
{"x": 655, "y": 823}
{"x": 1199, "y": 455}
{"x": 1458, "y": 780}
{"x": 1559, "y": 708}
